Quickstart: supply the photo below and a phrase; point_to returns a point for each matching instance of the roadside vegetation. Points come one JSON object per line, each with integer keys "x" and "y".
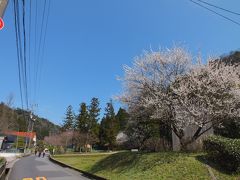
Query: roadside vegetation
{"x": 135, "y": 165}
{"x": 173, "y": 101}
{"x": 1, "y": 160}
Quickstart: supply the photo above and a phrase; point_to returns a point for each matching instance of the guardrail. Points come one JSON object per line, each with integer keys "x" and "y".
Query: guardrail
{"x": 87, "y": 174}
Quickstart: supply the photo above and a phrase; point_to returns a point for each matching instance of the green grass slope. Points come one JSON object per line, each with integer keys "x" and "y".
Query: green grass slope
{"x": 127, "y": 165}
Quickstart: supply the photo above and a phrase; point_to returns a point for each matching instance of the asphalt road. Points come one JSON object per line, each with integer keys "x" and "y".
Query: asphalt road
{"x": 38, "y": 168}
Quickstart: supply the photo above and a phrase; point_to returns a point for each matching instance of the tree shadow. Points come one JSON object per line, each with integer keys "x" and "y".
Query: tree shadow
{"x": 118, "y": 162}
{"x": 125, "y": 161}
{"x": 208, "y": 161}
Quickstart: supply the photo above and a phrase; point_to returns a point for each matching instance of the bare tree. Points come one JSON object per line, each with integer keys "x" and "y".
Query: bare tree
{"x": 7, "y": 117}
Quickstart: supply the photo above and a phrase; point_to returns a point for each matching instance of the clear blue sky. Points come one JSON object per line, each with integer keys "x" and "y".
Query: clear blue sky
{"x": 88, "y": 41}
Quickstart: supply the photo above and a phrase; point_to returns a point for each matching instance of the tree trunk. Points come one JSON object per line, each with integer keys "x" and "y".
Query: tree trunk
{"x": 185, "y": 142}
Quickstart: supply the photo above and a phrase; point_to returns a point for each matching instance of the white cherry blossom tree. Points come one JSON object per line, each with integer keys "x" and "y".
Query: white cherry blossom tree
{"x": 181, "y": 93}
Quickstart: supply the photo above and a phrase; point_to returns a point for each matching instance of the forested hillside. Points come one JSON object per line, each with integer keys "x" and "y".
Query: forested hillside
{"x": 17, "y": 119}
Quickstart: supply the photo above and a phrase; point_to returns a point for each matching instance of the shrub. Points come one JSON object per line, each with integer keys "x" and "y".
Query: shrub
{"x": 229, "y": 128}
{"x": 224, "y": 151}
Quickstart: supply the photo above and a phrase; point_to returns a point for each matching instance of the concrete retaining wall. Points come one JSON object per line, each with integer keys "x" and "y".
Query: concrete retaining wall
{"x": 189, "y": 132}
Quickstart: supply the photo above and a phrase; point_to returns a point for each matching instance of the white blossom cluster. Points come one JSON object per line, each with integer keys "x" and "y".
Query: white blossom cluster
{"x": 180, "y": 92}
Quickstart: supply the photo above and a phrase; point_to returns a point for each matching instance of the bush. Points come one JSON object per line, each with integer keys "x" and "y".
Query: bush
{"x": 224, "y": 151}
{"x": 59, "y": 150}
{"x": 229, "y": 128}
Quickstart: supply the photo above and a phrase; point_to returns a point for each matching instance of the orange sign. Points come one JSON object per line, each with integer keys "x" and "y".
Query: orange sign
{"x": 22, "y": 134}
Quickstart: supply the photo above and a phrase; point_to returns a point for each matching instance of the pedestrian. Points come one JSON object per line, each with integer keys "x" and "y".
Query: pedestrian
{"x": 35, "y": 152}
{"x": 39, "y": 154}
{"x": 44, "y": 153}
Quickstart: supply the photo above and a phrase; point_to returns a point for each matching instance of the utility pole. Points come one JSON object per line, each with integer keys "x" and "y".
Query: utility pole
{"x": 31, "y": 122}
{"x": 31, "y": 127}
{"x": 3, "y": 5}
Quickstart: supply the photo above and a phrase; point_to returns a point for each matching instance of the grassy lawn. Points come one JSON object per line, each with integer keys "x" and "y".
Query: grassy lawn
{"x": 127, "y": 165}
{"x": 83, "y": 162}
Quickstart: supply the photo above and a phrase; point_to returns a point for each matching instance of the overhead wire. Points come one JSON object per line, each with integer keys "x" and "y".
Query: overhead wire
{"x": 19, "y": 50}
{"x": 44, "y": 42}
{"x": 39, "y": 60}
{"x": 25, "y": 73}
{"x": 35, "y": 51}
{"x": 29, "y": 46}
{"x": 218, "y": 7}
{"x": 215, "y": 12}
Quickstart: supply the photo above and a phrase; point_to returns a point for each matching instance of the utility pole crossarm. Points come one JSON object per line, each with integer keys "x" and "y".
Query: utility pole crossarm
{"x": 3, "y": 5}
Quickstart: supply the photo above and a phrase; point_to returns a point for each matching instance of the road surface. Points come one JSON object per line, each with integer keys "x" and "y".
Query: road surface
{"x": 38, "y": 168}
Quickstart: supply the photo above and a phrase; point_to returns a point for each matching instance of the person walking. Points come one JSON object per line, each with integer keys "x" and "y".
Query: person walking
{"x": 44, "y": 152}
{"x": 39, "y": 153}
{"x": 36, "y": 151}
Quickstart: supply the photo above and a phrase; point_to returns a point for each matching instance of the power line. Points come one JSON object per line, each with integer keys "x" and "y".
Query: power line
{"x": 25, "y": 54}
{"x": 40, "y": 43}
{"x": 44, "y": 41}
{"x": 225, "y": 17}
{"x": 35, "y": 50}
{"x": 19, "y": 50}
{"x": 21, "y": 43}
{"x": 227, "y": 10}
{"x": 29, "y": 45}
{"x": 15, "y": 6}
{"x": 24, "y": 35}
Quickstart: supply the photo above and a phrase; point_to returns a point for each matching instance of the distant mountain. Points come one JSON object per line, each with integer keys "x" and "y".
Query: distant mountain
{"x": 43, "y": 127}
{"x": 17, "y": 120}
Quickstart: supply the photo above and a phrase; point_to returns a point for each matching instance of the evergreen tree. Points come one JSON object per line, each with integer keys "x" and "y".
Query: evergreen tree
{"x": 102, "y": 132}
{"x": 122, "y": 118}
{"x": 94, "y": 112}
{"x": 82, "y": 122}
{"x": 109, "y": 127}
{"x": 68, "y": 123}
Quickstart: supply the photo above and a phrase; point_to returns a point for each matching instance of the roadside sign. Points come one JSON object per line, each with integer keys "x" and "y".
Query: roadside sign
{"x": 1, "y": 24}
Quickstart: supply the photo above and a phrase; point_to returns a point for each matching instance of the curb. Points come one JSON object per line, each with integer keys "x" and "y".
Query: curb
{"x": 210, "y": 172}
{"x": 87, "y": 174}
{"x": 9, "y": 169}
{"x": 26, "y": 154}
{"x": 7, "y": 173}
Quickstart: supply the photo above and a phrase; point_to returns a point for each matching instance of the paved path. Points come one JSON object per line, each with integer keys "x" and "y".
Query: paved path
{"x": 32, "y": 167}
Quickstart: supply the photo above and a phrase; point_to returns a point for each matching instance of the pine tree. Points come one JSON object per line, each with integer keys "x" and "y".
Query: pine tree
{"x": 68, "y": 123}
{"x": 122, "y": 118}
{"x": 102, "y": 132}
{"x": 94, "y": 112}
{"x": 109, "y": 127}
{"x": 82, "y": 123}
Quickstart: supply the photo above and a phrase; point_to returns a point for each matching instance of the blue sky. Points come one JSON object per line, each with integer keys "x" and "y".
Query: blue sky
{"x": 88, "y": 42}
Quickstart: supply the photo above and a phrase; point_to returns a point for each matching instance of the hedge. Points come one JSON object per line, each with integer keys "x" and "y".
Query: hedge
{"x": 224, "y": 151}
